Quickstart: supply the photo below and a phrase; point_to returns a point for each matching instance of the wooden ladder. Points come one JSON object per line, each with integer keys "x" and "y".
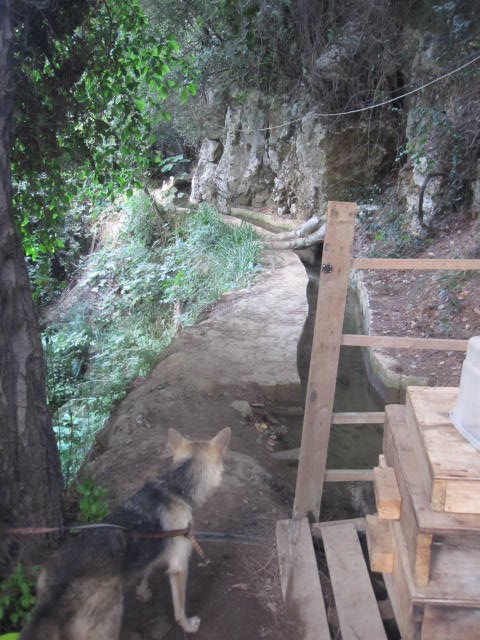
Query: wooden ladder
{"x": 355, "y": 602}
{"x": 337, "y": 262}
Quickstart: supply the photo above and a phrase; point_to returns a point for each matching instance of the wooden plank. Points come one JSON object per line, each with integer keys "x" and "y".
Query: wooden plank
{"x": 360, "y": 525}
{"x": 418, "y": 264}
{"x": 387, "y": 494}
{"x": 299, "y": 579}
{"x": 332, "y": 293}
{"x": 349, "y": 475}
{"x": 419, "y": 543}
{"x": 380, "y": 546}
{"x": 399, "y": 596}
{"x": 358, "y": 417}
{"x": 450, "y": 464}
{"x": 448, "y": 623}
{"x": 355, "y": 601}
{"x": 402, "y": 342}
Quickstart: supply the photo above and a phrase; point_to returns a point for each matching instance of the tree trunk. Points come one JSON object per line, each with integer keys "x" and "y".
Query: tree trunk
{"x": 30, "y": 475}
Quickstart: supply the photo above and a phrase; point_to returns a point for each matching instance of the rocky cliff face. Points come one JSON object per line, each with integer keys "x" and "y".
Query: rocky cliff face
{"x": 270, "y": 154}
{"x": 280, "y": 153}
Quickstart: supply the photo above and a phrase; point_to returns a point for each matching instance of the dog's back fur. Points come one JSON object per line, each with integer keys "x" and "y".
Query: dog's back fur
{"x": 80, "y": 590}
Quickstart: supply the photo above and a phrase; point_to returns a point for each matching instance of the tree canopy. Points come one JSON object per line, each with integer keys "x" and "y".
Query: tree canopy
{"x": 90, "y": 78}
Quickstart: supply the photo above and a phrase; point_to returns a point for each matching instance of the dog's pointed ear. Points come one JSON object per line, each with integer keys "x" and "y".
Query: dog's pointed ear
{"x": 221, "y": 440}
{"x": 175, "y": 439}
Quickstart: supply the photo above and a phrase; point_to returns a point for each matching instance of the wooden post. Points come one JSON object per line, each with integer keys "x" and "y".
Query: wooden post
{"x": 332, "y": 292}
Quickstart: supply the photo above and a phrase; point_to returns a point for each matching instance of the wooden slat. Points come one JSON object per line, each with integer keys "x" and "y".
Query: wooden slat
{"x": 454, "y": 572}
{"x": 355, "y": 601}
{"x": 300, "y": 583}
{"x": 380, "y": 546}
{"x": 418, "y": 264}
{"x": 360, "y": 525}
{"x": 349, "y": 475}
{"x": 403, "y": 342}
{"x": 332, "y": 292}
{"x": 358, "y": 417}
{"x": 447, "y": 623}
{"x": 387, "y": 494}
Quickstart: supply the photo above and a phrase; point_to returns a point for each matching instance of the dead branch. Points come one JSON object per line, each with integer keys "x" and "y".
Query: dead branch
{"x": 310, "y": 234}
{"x": 307, "y": 228}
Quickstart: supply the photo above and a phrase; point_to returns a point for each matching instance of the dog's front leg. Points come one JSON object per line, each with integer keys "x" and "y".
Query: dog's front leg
{"x": 178, "y": 584}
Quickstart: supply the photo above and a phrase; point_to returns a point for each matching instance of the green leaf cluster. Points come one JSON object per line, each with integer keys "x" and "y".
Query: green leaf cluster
{"x": 90, "y": 81}
{"x": 17, "y": 598}
{"x": 92, "y": 503}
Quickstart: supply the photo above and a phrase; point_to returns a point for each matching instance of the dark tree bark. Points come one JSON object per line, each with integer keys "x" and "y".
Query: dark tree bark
{"x": 30, "y": 475}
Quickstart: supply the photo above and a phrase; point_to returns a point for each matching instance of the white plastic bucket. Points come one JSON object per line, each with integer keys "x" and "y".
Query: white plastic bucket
{"x": 466, "y": 414}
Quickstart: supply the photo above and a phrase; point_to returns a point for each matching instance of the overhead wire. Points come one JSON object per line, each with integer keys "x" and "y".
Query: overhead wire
{"x": 372, "y": 106}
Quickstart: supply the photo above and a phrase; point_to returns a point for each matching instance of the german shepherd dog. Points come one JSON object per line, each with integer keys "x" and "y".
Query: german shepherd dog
{"x": 80, "y": 590}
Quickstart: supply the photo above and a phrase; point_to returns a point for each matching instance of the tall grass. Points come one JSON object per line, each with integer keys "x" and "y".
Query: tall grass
{"x": 136, "y": 292}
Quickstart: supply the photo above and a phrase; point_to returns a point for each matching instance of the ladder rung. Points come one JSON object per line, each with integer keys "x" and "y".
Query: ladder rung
{"x": 420, "y": 264}
{"x": 403, "y": 342}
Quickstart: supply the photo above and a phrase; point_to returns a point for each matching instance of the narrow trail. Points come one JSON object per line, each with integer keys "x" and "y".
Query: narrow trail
{"x": 244, "y": 349}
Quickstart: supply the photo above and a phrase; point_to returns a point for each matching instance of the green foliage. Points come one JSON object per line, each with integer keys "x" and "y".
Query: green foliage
{"x": 438, "y": 144}
{"x": 90, "y": 80}
{"x": 92, "y": 504}
{"x": 134, "y": 293}
{"x": 17, "y": 597}
{"x": 391, "y": 233}
{"x": 208, "y": 258}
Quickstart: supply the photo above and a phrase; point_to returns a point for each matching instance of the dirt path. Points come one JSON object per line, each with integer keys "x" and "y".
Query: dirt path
{"x": 245, "y": 349}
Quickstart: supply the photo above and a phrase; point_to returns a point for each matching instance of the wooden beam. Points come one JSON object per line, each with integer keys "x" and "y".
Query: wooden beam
{"x": 387, "y": 494}
{"x": 300, "y": 582}
{"x": 316, "y": 528}
{"x": 403, "y": 342}
{"x": 332, "y": 292}
{"x": 349, "y": 475}
{"x": 417, "y": 264}
{"x": 355, "y": 601}
{"x": 380, "y": 545}
{"x": 359, "y": 417}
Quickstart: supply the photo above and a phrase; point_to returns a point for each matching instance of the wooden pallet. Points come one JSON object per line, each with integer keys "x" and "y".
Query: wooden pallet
{"x": 421, "y": 525}
{"x": 449, "y": 464}
{"x": 355, "y": 603}
{"x": 430, "y": 559}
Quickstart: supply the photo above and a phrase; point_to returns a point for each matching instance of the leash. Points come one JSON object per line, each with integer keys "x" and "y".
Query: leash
{"x": 158, "y": 535}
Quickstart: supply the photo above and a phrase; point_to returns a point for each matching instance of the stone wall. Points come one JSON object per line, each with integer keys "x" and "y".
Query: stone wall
{"x": 282, "y": 157}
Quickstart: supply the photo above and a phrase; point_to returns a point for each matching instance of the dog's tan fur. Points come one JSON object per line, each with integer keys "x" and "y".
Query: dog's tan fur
{"x": 80, "y": 590}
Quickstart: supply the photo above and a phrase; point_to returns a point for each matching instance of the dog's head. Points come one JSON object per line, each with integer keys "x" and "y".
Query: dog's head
{"x": 204, "y": 458}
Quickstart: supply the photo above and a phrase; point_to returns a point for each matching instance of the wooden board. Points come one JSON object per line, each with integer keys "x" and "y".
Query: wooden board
{"x": 355, "y": 601}
{"x": 446, "y": 623}
{"x": 403, "y": 342}
{"x": 332, "y": 291}
{"x": 387, "y": 494}
{"x": 380, "y": 547}
{"x": 300, "y": 583}
{"x": 424, "y": 264}
{"x": 450, "y": 465}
